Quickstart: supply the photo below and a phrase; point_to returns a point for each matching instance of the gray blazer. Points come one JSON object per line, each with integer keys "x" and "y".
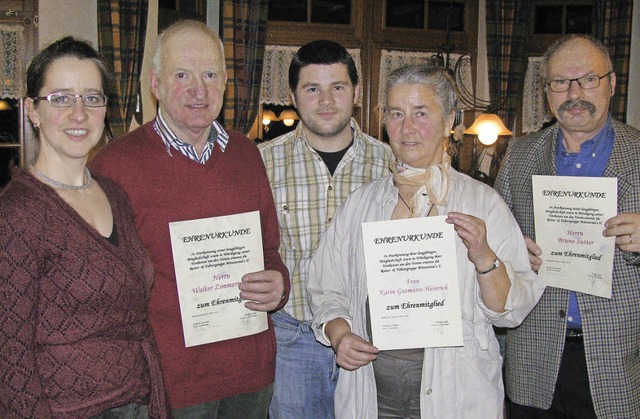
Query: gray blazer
{"x": 611, "y": 327}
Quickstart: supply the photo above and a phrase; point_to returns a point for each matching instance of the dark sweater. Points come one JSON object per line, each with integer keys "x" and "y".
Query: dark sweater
{"x": 164, "y": 188}
{"x": 74, "y": 337}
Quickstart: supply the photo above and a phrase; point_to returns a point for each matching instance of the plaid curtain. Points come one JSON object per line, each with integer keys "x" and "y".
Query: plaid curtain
{"x": 613, "y": 27}
{"x": 244, "y": 32}
{"x": 122, "y": 28}
{"x": 508, "y": 29}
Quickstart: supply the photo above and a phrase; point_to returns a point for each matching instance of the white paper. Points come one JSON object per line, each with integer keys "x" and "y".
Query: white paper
{"x": 412, "y": 279}
{"x": 210, "y": 256}
{"x": 569, "y": 214}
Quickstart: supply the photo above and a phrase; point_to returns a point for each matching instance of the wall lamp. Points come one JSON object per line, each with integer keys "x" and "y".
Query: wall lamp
{"x": 288, "y": 117}
{"x": 268, "y": 116}
{"x": 487, "y": 127}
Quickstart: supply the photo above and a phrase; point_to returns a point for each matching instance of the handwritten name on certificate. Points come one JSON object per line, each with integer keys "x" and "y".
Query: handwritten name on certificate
{"x": 412, "y": 280}
{"x": 570, "y": 213}
{"x": 210, "y": 256}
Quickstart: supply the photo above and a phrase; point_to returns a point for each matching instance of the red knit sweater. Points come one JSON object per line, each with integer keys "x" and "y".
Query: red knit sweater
{"x": 74, "y": 335}
{"x": 164, "y": 188}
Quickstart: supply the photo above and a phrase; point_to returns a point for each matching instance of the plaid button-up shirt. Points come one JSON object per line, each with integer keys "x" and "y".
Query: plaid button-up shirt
{"x": 307, "y": 196}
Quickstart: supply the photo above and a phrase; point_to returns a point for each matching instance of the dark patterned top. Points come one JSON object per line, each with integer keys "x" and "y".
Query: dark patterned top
{"x": 74, "y": 337}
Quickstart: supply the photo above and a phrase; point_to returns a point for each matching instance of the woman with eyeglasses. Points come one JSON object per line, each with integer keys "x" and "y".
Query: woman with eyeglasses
{"x": 75, "y": 340}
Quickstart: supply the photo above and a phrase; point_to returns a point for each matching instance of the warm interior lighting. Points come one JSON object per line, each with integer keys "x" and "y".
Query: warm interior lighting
{"x": 288, "y": 117}
{"x": 4, "y": 105}
{"x": 268, "y": 116}
{"x": 487, "y": 127}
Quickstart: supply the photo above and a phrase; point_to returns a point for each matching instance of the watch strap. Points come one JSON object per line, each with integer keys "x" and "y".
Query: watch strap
{"x": 495, "y": 265}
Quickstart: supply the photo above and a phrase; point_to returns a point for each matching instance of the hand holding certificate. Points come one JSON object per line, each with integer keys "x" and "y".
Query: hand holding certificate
{"x": 210, "y": 257}
{"x": 412, "y": 277}
{"x": 570, "y": 213}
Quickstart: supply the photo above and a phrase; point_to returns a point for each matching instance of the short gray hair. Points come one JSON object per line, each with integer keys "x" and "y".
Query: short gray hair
{"x": 436, "y": 78}
{"x": 560, "y": 43}
{"x": 178, "y": 27}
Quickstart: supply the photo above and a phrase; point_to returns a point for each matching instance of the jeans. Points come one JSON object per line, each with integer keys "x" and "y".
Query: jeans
{"x": 243, "y": 406}
{"x": 306, "y": 372}
{"x": 127, "y": 411}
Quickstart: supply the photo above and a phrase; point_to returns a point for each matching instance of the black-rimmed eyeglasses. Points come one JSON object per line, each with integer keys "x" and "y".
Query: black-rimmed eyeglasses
{"x": 587, "y": 82}
{"x": 67, "y": 100}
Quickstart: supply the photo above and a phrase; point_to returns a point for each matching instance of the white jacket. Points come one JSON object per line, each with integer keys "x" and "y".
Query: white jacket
{"x": 457, "y": 382}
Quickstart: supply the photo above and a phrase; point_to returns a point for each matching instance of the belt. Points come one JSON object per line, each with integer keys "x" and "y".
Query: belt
{"x": 574, "y": 334}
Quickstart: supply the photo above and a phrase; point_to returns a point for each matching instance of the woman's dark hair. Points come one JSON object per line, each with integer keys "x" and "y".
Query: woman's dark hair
{"x": 321, "y": 52}
{"x": 64, "y": 47}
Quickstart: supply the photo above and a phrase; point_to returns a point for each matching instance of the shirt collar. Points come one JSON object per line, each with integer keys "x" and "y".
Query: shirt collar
{"x": 593, "y": 156}
{"x": 602, "y": 135}
{"x": 217, "y": 134}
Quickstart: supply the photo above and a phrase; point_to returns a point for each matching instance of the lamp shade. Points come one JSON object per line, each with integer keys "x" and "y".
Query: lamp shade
{"x": 288, "y": 117}
{"x": 268, "y": 116}
{"x": 4, "y": 105}
{"x": 487, "y": 127}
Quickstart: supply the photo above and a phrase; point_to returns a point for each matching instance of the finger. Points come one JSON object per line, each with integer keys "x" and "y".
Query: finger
{"x": 258, "y": 306}
{"x": 357, "y": 359}
{"x": 535, "y": 262}
{"x": 532, "y": 246}
{"x": 618, "y": 230}
{"x": 256, "y": 287}
{"x": 626, "y": 240}
{"x": 257, "y": 277}
{"x": 623, "y": 218}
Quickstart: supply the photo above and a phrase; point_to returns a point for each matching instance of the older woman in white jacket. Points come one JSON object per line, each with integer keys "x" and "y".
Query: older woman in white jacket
{"x": 497, "y": 285}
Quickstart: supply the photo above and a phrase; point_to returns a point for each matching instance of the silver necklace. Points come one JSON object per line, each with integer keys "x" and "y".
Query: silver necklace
{"x": 60, "y": 185}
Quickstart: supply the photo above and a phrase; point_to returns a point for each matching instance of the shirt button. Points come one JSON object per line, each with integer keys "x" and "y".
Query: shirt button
{"x": 285, "y": 207}
{"x": 330, "y": 188}
{"x": 593, "y": 155}
{"x": 578, "y": 165}
{"x": 429, "y": 392}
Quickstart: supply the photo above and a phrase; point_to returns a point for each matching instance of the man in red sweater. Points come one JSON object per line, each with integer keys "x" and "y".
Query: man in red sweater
{"x": 184, "y": 166}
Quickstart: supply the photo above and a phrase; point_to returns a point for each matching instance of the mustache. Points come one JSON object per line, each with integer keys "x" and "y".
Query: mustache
{"x": 578, "y": 103}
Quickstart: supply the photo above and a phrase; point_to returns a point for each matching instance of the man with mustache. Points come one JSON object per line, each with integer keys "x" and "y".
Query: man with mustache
{"x": 578, "y": 355}
{"x": 312, "y": 170}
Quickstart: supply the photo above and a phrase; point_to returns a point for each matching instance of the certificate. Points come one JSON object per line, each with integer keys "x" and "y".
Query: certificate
{"x": 412, "y": 281}
{"x": 210, "y": 256}
{"x": 569, "y": 215}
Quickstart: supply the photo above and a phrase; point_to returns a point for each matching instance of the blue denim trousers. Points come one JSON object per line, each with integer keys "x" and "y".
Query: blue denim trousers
{"x": 306, "y": 372}
{"x": 243, "y": 406}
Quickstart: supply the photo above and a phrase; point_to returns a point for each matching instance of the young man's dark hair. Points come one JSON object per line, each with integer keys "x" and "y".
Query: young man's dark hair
{"x": 321, "y": 52}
